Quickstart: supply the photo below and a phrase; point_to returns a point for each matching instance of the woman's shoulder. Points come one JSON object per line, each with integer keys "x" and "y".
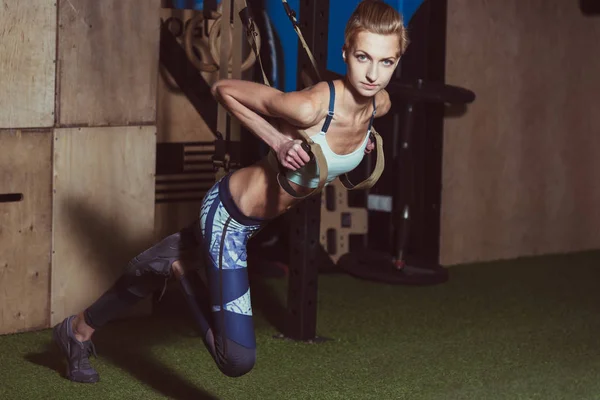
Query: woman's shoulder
{"x": 305, "y": 107}
{"x": 315, "y": 100}
{"x": 318, "y": 91}
{"x": 383, "y": 103}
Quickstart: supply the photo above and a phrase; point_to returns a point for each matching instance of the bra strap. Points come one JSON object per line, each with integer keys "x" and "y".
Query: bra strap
{"x": 331, "y": 107}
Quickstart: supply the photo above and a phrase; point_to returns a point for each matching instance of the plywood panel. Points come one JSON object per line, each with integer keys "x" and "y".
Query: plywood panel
{"x": 108, "y": 61}
{"x": 521, "y": 173}
{"x": 174, "y": 216}
{"x": 27, "y": 54}
{"x": 177, "y": 120}
{"x": 103, "y": 209}
{"x": 25, "y": 229}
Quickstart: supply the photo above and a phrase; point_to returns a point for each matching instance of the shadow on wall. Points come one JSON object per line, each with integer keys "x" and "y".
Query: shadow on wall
{"x": 107, "y": 240}
{"x": 590, "y": 7}
{"x": 455, "y": 110}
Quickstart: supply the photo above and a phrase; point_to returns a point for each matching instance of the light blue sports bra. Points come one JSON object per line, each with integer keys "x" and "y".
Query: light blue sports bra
{"x": 337, "y": 164}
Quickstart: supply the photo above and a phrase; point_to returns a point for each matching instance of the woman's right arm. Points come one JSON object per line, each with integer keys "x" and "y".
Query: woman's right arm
{"x": 249, "y": 101}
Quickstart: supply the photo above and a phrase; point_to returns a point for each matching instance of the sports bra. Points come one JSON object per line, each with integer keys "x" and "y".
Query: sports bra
{"x": 337, "y": 164}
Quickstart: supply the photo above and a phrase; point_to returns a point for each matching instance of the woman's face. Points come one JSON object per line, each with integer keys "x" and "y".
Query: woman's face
{"x": 371, "y": 61}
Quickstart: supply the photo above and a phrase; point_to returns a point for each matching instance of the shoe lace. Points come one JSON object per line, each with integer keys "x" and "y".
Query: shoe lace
{"x": 88, "y": 350}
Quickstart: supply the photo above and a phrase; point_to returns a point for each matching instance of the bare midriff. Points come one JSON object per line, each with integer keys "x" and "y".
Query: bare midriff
{"x": 257, "y": 193}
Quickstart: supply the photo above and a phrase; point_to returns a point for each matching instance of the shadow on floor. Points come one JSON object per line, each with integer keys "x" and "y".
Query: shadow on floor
{"x": 127, "y": 345}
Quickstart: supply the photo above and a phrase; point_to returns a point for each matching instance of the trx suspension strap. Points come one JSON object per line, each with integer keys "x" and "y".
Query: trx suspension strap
{"x": 227, "y": 148}
{"x": 222, "y": 158}
{"x": 313, "y": 149}
{"x": 380, "y": 162}
{"x": 377, "y": 171}
{"x": 235, "y": 127}
{"x": 308, "y": 145}
{"x": 292, "y": 16}
{"x": 242, "y": 9}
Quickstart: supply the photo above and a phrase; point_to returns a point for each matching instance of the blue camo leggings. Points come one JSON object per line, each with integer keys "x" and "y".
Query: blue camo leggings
{"x": 227, "y": 326}
{"x": 225, "y": 232}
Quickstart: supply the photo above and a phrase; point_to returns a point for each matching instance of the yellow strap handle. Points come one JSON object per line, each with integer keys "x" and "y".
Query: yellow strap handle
{"x": 380, "y": 163}
{"x": 241, "y": 8}
{"x": 377, "y": 171}
{"x": 316, "y": 151}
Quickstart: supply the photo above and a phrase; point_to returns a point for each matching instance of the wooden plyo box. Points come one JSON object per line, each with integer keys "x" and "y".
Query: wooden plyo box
{"x": 177, "y": 120}
{"x": 27, "y": 62}
{"x": 25, "y": 229}
{"x": 103, "y": 210}
{"x": 107, "y": 62}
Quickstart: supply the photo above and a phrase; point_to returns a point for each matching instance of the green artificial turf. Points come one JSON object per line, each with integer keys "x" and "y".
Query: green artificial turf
{"x": 520, "y": 329}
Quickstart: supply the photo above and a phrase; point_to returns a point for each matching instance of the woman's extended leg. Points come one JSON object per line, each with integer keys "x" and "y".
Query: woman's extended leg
{"x": 221, "y": 236}
{"x": 145, "y": 274}
{"x": 225, "y": 232}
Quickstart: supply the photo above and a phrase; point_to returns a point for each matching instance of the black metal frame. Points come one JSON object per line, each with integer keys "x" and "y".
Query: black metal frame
{"x": 414, "y": 174}
{"x": 305, "y": 219}
{"x": 425, "y": 60}
{"x": 428, "y": 64}
{"x": 590, "y": 7}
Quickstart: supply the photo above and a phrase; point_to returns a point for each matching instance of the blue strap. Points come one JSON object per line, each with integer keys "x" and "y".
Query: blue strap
{"x": 331, "y": 106}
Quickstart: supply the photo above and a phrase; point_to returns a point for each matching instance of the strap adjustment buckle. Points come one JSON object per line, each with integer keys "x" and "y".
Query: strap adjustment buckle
{"x": 290, "y": 13}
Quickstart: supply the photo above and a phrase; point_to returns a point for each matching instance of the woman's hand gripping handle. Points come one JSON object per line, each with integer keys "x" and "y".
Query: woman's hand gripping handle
{"x": 294, "y": 154}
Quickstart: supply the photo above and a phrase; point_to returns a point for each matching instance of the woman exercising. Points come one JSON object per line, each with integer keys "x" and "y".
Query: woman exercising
{"x": 336, "y": 115}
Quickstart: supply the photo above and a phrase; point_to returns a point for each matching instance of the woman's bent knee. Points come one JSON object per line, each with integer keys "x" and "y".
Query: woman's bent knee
{"x": 237, "y": 360}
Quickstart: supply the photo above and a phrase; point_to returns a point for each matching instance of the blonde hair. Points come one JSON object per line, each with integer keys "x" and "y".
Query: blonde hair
{"x": 375, "y": 16}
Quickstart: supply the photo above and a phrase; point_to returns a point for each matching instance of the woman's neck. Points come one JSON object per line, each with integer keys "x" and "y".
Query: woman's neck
{"x": 353, "y": 101}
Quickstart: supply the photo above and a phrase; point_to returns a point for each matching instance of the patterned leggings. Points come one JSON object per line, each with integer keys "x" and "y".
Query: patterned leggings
{"x": 225, "y": 232}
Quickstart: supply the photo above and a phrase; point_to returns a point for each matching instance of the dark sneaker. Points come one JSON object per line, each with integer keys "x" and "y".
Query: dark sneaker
{"x": 77, "y": 353}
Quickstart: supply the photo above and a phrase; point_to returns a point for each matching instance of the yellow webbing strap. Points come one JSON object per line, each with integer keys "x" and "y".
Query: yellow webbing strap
{"x": 292, "y": 16}
{"x": 222, "y": 115}
{"x": 241, "y": 8}
{"x": 316, "y": 151}
{"x": 377, "y": 171}
{"x": 380, "y": 162}
{"x": 236, "y": 67}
